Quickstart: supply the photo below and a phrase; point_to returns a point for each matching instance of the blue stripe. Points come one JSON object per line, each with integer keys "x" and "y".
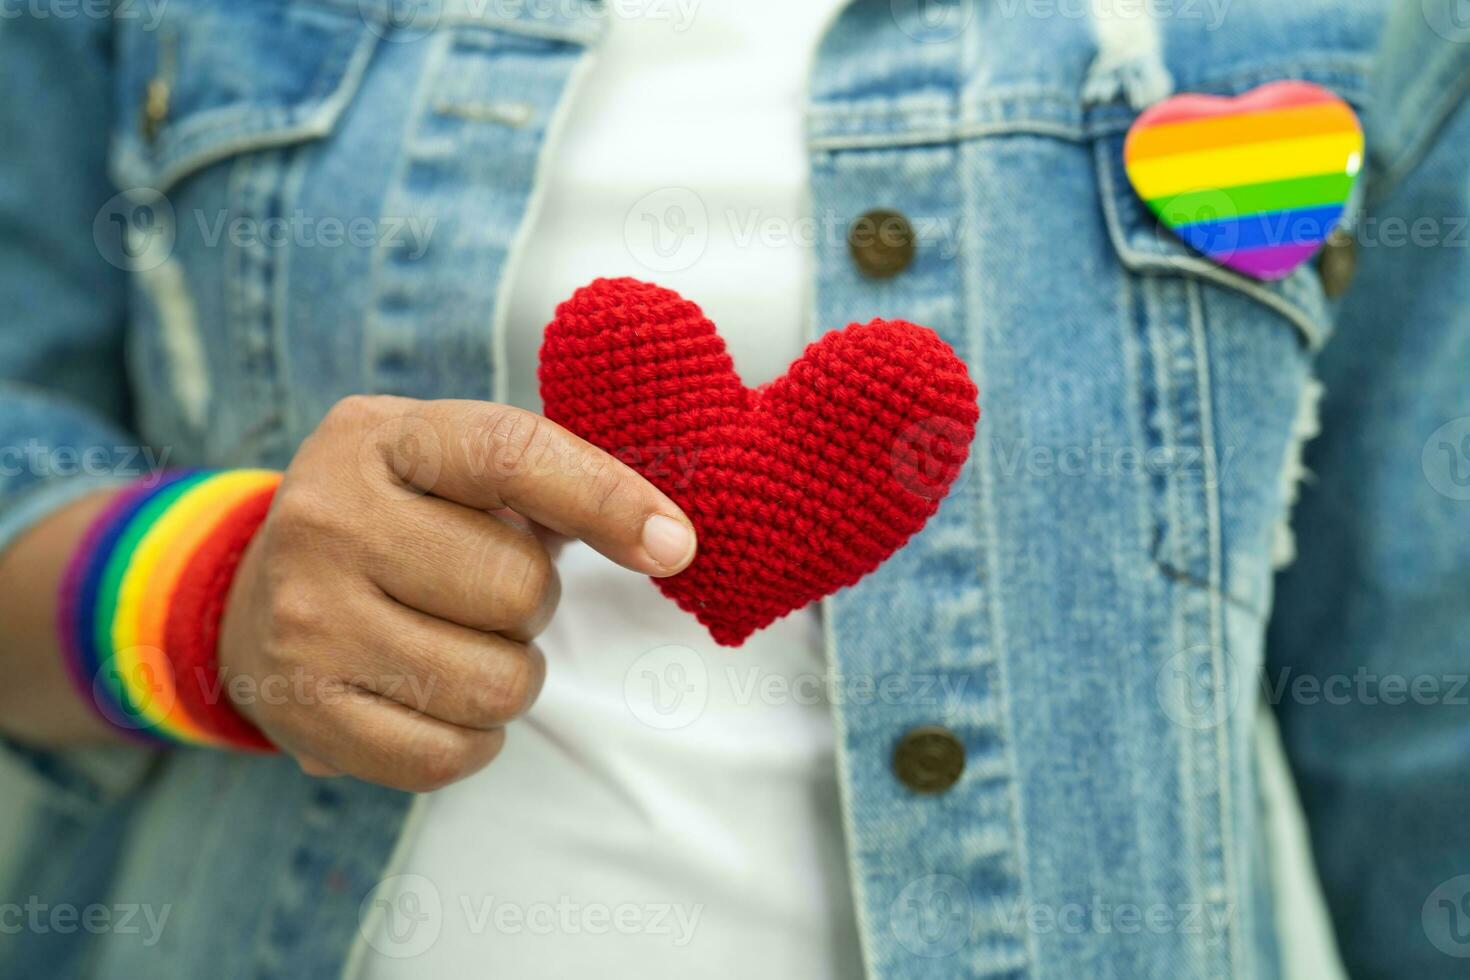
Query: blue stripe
{"x": 1305, "y": 226}
{"x": 92, "y": 583}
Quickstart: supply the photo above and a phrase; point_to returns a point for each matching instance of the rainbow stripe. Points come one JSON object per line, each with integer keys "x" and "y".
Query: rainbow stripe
{"x": 120, "y": 585}
{"x": 1256, "y": 183}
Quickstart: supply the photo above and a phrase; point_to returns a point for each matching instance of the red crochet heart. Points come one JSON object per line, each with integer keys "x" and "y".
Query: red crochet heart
{"x": 797, "y": 488}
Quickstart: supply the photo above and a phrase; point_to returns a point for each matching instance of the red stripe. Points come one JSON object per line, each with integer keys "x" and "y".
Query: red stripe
{"x": 191, "y": 635}
{"x": 1193, "y": 108}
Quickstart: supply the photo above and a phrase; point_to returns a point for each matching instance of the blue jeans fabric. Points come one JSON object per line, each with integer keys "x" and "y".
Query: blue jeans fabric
{"x": 1093, "y": 611}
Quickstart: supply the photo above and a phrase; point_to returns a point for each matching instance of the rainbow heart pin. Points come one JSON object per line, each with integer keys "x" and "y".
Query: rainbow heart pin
{"x": 1256, "y": 182}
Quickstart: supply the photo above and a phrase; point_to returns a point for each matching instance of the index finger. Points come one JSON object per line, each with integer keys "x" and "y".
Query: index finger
{"x": 491, "y": 456}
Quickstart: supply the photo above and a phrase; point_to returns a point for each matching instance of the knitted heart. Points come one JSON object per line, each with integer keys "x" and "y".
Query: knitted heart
{"x": 1258, "y": 182}
{"x": 797, "y": 488}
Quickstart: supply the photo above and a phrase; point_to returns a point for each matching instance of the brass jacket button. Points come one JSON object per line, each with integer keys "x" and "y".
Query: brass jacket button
{"x": 881, "y": 243}
{"x": 929, "y": 759}
{"x": 1338, "y": 263}
{"x": 155, "y": 108}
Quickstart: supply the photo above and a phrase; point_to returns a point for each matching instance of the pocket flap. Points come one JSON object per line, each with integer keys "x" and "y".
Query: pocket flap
{"x": 1145, "y": 245}
{"x": 215, "y": 79}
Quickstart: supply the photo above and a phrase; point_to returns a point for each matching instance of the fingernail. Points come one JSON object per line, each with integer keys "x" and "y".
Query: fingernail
{"x": 668, "y": 542}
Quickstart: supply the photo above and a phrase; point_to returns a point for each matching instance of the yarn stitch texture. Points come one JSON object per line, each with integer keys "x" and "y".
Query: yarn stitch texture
{"x": 796, "y": 489}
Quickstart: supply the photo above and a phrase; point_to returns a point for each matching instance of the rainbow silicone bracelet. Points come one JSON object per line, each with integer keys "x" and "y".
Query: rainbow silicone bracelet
{"x": 141, "y": 603}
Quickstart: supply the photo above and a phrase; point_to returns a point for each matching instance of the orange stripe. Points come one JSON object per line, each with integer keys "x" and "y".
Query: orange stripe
{"x": 1251, "y": 127}
{"x": 164, "y": 577}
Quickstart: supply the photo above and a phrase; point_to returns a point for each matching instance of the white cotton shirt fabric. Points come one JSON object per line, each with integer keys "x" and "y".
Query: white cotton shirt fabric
{"x": 669, "y": 808}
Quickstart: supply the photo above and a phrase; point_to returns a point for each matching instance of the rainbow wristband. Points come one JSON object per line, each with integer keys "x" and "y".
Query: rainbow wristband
{"x": 142, "y": 599}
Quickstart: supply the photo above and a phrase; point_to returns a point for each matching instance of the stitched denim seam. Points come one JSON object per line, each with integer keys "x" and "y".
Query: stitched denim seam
{"x": 578, "y": 27}
{"x": 866, "y": 941}
{"x": 433, "y": 67}
{"x": 1211, "y": 499}
{"x": 985, "y": 517}
{"x": 254, "y": 190}
{"x": 938, "y": 117}
{"x": 280, "y": 304}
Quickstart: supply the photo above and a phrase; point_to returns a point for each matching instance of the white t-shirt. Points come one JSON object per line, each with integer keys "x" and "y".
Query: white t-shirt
{"x": 669, "y": 808}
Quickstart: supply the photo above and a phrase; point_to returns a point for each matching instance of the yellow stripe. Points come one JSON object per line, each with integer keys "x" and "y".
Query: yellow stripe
{"x": 1199, "y": 135}
{"x": 175, "y": 535}
{"x": 1255, "y": 163}
{"x": 224, "y": 495}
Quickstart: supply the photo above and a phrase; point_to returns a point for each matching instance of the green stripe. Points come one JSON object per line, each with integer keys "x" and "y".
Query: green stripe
{"x": 1250, "y": 199}
{"x": 112, "y": 576}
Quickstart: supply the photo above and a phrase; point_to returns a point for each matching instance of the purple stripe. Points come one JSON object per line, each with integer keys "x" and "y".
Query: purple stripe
{"x": 1272, "y": 262}
{"x": 80, "y": 602}
{"x": 67, "y": 610}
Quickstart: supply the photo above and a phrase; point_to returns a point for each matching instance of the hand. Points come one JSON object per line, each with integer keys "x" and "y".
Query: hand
{"x": 380, "y": 623}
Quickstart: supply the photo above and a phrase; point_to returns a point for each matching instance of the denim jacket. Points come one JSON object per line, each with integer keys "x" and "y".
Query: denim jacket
{"x": 183, "y": 271}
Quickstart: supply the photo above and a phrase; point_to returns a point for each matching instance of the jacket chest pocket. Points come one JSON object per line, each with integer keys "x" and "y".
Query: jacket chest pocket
{"x": 333, "y": 203}
{"x": 219, "y": 108}
{"x": 1226, "y": 395}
